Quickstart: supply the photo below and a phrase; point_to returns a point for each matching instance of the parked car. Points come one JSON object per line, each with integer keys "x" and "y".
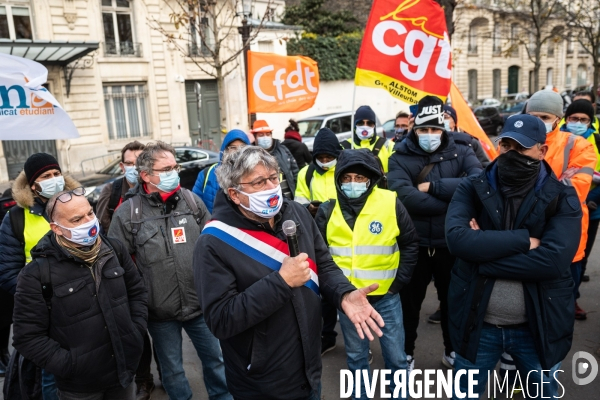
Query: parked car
{"x": 191, "y": 159}
{"x": 491, "y": 102}
{"x": 339, "y": 123}
{"x": 389, "y": 128}
{"x": 514, "y": 97}
{"x": 511, "y": 108}
{"x": 490, "y": 119}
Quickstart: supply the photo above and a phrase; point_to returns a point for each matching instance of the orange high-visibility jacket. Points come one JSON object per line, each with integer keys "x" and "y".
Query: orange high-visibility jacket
{"x": 566, "y": 150}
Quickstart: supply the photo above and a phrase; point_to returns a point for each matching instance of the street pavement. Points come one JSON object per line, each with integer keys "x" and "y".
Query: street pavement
{"x": 429, "y": 348}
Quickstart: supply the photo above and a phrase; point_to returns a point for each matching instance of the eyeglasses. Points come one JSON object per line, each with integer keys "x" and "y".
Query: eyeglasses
{"x": 356, "y": 178}
{"x": 66, "y": 197}
{"x": 129, "y": 163}
{"x": 260, "y": 183}
{"x": 583, "y": 120}
{"x": 365, "y": 122}
{"x": 176, "y": 168}
{"x": 235, "y": 148}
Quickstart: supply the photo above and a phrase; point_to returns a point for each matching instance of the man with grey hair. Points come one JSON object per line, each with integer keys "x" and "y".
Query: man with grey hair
{"x": 81, "y": 305}
{"x": 160, "y": 222}
{"x": 263, "y": 305}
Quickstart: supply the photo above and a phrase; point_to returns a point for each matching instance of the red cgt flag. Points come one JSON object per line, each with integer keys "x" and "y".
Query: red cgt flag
{"x": 405, "y": 50}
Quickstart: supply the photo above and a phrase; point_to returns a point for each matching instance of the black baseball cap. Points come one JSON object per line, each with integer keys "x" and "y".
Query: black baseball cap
{"x": 526, "y": 129}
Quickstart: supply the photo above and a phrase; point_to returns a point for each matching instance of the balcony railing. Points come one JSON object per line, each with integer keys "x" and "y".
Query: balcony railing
{"x": 472, "y": 49}
{"x": 122, "y": 49}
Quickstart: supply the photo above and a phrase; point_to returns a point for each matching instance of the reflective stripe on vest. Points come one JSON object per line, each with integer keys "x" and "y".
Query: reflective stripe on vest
{"x": 369, "y": 253}
{"x": 36, "y": 227}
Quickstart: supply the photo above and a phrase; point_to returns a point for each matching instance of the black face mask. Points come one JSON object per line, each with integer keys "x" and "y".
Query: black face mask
{"x": 516, "y": 170}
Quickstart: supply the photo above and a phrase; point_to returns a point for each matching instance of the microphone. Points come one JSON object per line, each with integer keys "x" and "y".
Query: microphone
{"x": 289, "y": 228}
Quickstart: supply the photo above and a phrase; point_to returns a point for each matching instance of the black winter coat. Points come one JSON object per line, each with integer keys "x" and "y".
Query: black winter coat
{"x": 453, "y": 160}
{"x": 91, "y": 339}
{"x": 270, "y": 333}
{"x": 287, "y": 163}
{"x": 299, "y": 151}
{"x": 493, "y": 253}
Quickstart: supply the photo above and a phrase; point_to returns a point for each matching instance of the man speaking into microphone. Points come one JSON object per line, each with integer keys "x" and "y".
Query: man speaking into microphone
{"x": 263, "y": 305}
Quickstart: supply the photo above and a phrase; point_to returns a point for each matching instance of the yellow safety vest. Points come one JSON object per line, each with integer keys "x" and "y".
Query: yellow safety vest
{"x": 322, "y": 187}
{"x": 36, "y": 227}
{"x": 384, "y": 154}
{"x": 370, "y": 253}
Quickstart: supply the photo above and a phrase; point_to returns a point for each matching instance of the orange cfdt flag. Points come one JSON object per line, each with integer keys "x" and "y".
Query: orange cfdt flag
{"x": 281, "y": 83}
{"x": 405, "y": 50}
{"x": 468, "y": 123}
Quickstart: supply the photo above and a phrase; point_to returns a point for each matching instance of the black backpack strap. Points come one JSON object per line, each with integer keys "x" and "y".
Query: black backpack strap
{"x": 378, "y": 145}
{"x": 46, "y": 281}
{"x": 17, "y": 223}
{"x": 115, "y": 196}
{"x": 310, "y": 172}
{"x": 424, "y": 173}
{"x": 191, "y": 202}
{"x": 346, "y": 145}
{"x": 135, "y": 204}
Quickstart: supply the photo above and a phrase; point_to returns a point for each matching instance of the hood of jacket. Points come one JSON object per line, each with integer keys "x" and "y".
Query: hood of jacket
{"x": 232, "y": 136}
{"x": 24, "y": 196}
{"x": 326, "y": 143}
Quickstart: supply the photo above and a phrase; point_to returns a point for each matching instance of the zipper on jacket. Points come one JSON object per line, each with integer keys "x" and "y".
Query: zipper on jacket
{"x": 165, "y": 238}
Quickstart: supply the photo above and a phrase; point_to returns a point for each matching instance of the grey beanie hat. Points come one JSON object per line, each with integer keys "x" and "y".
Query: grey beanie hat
{"x": 546, "y": 101}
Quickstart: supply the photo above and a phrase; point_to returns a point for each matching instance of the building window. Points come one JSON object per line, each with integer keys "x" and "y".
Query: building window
{"x": 496, "y": 46}
{"x": 581, "y": 75}
{"x": 202, "y": 37}
{"x": 570, "y": 47}
{"x": 550, "y": 77}
{"x": 568, "y": 72}
{"x": 496, "y": 84}
{"x": 551, "y": 46}
{"x": 472, "y": 85}
{"x": 472, "y": 39}
{"x": 514, "y": 43}
{"x": 118, "y": 29}
{"x": 271, "y": 14}
{"x": 265, "y": 46}
{"x": 126, "y": 111}
{"x": 15, "y": 23}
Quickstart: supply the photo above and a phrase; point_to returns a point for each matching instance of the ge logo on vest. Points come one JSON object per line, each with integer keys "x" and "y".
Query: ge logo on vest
{"x": 519, "y": 124}
{"x": 376, "y": 227}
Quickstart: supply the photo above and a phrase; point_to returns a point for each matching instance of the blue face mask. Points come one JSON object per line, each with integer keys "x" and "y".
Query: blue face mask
{"x": 131, "y": 175}
{"x": 430, "y": 141}
{"x": 577, "y": 128}
{"x": 354, "y": 189}
{"x": 447, "y": 125}
{"x": 168, "y": 181}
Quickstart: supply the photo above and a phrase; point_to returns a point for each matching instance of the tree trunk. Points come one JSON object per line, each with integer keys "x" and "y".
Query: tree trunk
{"x": 222, "y": 98}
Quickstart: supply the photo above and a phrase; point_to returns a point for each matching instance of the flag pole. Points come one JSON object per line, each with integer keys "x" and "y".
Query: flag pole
{"x": 352, "y": 119}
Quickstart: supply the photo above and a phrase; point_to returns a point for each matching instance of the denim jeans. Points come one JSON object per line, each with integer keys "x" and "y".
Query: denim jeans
{"x": 392, "y": 341}
{"x": 168, "y": 342}
{"x": 48, "y": 386}
{"x": 517, "y": 342}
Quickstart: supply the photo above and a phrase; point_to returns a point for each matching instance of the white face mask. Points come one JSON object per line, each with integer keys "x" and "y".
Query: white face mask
{"x": 51, "y": 186}
{"x": 364, "y": 132}
{"x": 84, "y": 234}
{"x": 265, "y": 142}
{"x": 549, "y": 126}
{"x": 326, "y": 166}
{"x": 266, "y": 203}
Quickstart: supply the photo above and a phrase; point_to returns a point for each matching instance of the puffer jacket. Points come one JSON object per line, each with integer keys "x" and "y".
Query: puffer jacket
{"x": 92, "y": 338}
{"x": 12, "y": 251}
{"x": 293, "y": 142}
{"x": 207, "y": 188}
{"x": 287, "y": 163}
{"x": 493, "y": 253}
{"x": 453, "y": 160}
{"x": 166, "y": 266}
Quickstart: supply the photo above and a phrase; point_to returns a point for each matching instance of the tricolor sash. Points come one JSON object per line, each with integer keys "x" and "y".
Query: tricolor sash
{"x": 260, "y": 246}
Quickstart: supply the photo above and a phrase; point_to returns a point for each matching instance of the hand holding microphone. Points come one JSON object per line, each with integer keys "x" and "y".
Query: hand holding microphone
{"x": 295, "y": 269}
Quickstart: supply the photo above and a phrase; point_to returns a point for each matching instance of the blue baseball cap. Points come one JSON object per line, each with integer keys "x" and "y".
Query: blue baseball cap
{"x": 525, "y": 129}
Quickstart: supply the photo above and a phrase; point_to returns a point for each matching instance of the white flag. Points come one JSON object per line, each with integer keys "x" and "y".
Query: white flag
{"x": 27, "y": 110}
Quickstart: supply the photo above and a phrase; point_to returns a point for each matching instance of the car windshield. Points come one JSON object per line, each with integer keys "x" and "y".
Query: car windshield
{"x": 310, "y": 127}
{"x": 112, "y": 168}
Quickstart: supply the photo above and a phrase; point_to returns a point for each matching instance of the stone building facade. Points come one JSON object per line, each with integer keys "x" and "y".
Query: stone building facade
{"x": 135, "y": 85}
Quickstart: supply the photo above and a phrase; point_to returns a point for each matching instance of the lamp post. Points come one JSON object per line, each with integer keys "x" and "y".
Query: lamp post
{"x": 245, "y": 31}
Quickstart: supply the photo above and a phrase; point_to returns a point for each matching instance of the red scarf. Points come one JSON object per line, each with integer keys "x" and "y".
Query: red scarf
{"x": 164, "y": 196}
